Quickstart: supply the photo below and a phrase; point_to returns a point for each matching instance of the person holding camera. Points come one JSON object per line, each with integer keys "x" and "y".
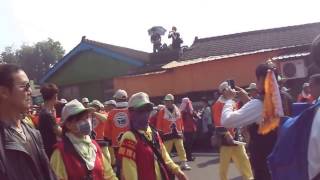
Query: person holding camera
{"x": 176, "y": 40}
{"x": 251, "y": 114}
{"x": 229, "y": 149}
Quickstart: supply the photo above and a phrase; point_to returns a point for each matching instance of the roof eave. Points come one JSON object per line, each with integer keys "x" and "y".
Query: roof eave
{"x": 83, "y": 46}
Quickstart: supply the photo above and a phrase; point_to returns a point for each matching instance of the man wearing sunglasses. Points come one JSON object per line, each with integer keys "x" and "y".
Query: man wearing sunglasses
{"x": 22, "y": 155}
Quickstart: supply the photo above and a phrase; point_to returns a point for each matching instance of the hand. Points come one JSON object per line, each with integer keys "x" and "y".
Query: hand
{"x": 181, "y": 176}
{"x": 242, "y": 94}
{"x": 101, "y": 117}
{"x": 230, "y": 93}
{"x": 228, "y": 138}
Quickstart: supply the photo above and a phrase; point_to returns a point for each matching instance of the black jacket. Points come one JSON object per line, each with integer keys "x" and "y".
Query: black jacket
{"x": 17, "y": 162}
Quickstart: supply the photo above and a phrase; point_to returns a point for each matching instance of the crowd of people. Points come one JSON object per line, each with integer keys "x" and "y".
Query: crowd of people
{"x": 131, "y": 138}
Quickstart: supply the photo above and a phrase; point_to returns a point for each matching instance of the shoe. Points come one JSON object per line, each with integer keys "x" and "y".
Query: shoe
{"x": 185, "y": 166}
{"x": 192, "y": 158}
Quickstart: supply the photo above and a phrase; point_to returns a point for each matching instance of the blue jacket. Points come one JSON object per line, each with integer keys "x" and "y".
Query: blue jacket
{"x": 289, "y": 158}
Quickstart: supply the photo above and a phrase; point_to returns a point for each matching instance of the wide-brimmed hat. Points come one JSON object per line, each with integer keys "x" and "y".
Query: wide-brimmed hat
{"x": 72, "y": 108}
{"x": 139, "y": 100}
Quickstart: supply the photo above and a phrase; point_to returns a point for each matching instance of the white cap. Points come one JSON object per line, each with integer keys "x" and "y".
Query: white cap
{"x": 138, "y": 100}
{"x": 97, "y": 103}
{"x": 85, "y": 100}
{"x": 252, "y": 86}
{"x": 120, "y": 94}
{"x": 63, "y": 101}
{"x": 305, "y": 85}
{"x": 285, "y": 89}
{"x": 72, "y": 108}
{"x": 110, "y": 102}
{"x": 223, "y": 86}
{"x": 169, "y": 97}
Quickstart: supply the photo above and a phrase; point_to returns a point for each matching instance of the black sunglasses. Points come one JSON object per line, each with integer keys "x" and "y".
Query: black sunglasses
{"x": 25, "y": 87}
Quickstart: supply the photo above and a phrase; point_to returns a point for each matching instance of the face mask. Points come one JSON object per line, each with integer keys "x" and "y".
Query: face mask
{"x": 139, "y": 120}
{"x": 85, "y": 127}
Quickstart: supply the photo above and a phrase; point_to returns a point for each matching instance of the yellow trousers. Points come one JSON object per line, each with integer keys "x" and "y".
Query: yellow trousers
{"x": 239, "y": 157}
{"x": 112, "y": 156}
{"x": 106, "y": 153}
{"x": 178, "y": 143}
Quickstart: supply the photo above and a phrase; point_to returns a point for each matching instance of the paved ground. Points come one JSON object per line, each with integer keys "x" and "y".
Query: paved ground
{"x": 206, "y": 167}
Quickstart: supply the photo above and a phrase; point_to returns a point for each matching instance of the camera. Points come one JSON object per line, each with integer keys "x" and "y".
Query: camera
{"x": 231, "y": 83}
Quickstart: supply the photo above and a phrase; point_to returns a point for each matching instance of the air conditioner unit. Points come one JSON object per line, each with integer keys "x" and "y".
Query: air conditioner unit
{"x": 293, "y": 69}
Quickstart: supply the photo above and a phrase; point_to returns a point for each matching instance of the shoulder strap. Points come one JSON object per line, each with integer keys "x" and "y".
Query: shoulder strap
{"x": 155, "y": 146}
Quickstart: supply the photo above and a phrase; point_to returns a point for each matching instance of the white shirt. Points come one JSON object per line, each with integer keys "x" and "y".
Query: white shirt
{"x": 249, "y": 113}
{"x": 314, "y": 147}
{"x": 252, "y": 112}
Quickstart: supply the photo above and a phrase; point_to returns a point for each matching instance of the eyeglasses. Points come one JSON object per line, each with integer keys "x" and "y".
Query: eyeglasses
{"x": 26, "y": 87}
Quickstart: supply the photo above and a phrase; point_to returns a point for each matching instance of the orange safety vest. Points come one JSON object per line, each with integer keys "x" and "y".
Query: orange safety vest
{"x": 99, "y": 129}
{"x": 167, "y": 125}
{"x": 217, "y": 111}
{"x": 116, "y": 124}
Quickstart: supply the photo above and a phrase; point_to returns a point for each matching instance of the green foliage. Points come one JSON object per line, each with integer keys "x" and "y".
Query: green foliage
{"x": 35, "y": 59}
{"x": 8, "y": 56}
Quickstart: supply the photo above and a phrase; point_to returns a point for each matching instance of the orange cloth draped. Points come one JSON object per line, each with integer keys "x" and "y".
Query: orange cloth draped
{"x": 272, "y": 109}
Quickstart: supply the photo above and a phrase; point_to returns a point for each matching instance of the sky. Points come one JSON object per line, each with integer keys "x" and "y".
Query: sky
{"x": 125, "y": 22}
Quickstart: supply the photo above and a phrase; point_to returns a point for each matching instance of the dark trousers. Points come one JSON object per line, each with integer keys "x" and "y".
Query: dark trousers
{"x": 259, "y": 167}
{"x": 188, "y": 143}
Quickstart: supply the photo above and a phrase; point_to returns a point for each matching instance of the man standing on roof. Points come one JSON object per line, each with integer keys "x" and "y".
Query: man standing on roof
{"x": 229, "y": 150}
{"x": 117, "y": 123}
{"x": 176, "y": 40}
{"x": 170, "y": 124}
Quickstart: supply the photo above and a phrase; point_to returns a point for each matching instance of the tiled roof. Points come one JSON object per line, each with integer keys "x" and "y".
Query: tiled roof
{"x": 131, "y": 53}
{"x": 253, "y": 41}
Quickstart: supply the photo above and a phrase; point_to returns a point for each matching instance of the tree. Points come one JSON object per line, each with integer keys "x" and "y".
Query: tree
{"x": 38, "y": 59}
{"x": 8, "y": 56}
{"x": 35, "y": 59}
